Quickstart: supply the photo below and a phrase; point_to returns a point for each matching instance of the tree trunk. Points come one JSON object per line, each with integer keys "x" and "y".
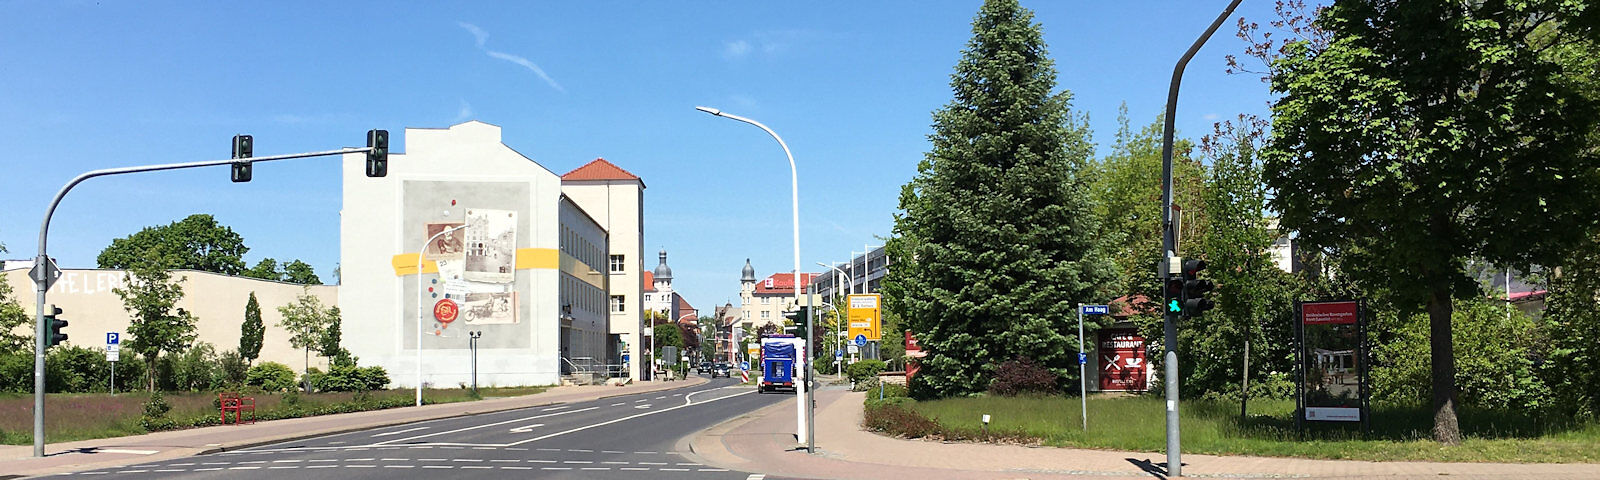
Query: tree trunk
{"x": 150, "y": 373}
{"x": 1446, "y": 429}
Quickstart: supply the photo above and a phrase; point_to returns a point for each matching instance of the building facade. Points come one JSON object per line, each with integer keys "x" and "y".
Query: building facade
{"x": 865, "y": 274}
{"x": 767, "y": 300}
{"x": 465, "y": 234}
{"x": 615, "y": 198}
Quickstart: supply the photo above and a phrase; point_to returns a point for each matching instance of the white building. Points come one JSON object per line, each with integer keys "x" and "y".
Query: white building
{"x": 533, "y": 277}
{"x": 766, "y": 301}
{"x": 615, "y": 198}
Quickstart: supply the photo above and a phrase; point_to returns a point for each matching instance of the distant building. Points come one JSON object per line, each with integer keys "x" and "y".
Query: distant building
{"x": 865, "y": 273}
{"x": 615, "y": 198}
{"x": 767, "y": 300}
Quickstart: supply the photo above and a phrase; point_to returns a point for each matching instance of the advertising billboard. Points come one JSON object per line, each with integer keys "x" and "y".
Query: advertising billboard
{"x": 1332, "y": 362}
{"x": 865, "y": 316}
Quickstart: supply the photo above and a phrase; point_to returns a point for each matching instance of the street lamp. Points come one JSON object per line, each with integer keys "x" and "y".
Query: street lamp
{"x": 420, "y": 254}
{"x": 803, "y": 407}
{"x": 472, "y": 341}
{"x": 839, "y": 322}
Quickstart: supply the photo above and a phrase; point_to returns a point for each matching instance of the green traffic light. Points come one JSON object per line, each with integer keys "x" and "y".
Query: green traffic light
{"x": 1174, "y": 307}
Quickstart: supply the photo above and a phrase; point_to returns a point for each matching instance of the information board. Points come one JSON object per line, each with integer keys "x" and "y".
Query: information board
{"x": 865, "y": 316}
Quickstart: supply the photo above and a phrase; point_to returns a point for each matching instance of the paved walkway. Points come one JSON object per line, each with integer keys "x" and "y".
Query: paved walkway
{"x": 764, "y": 442}
{"x": 93, "y": 454}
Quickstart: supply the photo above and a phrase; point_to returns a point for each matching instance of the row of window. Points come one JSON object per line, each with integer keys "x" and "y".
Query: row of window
{"x": 580, "y": 248}
{"x": 617, "y": 264}
{"x": 581, "y": 295}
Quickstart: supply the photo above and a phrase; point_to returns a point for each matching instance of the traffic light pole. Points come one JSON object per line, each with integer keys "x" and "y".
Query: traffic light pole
{"x": 42, "y": 280}
{"x": 1169, "y": 240}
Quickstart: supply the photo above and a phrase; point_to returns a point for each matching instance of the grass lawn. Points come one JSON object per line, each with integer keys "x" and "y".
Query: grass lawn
{"x": 1139, "y": 424}
{"x": 84, "y": 416}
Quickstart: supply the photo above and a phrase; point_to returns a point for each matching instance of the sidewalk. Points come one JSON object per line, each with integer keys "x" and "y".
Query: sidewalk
{"x": 764, "y": 442}
{"x": 18, "y": 460}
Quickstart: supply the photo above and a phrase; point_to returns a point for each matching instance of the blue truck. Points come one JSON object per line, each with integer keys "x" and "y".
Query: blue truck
{"x": 778, "y": 354}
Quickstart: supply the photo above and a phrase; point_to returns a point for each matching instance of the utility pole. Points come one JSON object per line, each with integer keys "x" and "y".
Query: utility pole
{"x": 1169, "y": 240}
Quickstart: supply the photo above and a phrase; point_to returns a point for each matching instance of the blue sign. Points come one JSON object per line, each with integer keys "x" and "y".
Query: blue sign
{"x": 113, "y": 338}
{"x": 1083, "y": 358}
{"x": 624, "y": 358}
{"x": 861, "y": 340}
{"x": 744, "y": 365}
{"x": 1095, "y": 309}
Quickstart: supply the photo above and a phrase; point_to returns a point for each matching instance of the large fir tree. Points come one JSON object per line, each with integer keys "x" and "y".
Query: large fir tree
{"x": 994, "y": 244}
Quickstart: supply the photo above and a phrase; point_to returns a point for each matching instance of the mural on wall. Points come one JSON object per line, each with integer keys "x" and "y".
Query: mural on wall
{"x": 490, "y": 308}
{"x": 450, "y": 246}
{"x": 491, "y": 245}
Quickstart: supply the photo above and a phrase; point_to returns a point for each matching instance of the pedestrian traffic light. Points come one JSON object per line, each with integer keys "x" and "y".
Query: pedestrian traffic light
{"x": 378, "y": 157}
{"x": 1195, "y": 288}
{"x": 242, "y": 148}
{"x": 801, "y": 318}
{"x": 54, "y": 325}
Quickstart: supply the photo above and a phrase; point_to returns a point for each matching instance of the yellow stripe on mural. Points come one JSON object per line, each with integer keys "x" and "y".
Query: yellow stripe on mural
{"x": 527, "y": 258}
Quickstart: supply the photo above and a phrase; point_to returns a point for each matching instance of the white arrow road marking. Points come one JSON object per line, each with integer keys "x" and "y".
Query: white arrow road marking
{"x": 686, "y": 400}
{"x": 385, "y": 434}
{"x": 526, "y": 429}
{"x": 475, "y": 427}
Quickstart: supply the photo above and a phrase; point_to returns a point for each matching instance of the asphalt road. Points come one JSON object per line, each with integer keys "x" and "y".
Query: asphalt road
{"x": 625, "y": 437}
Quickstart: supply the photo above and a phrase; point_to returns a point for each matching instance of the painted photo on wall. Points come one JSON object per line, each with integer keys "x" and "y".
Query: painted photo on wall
{"x": 449, "y": 246}
{"x": 490, "y": 308}
{"x": 491, "y": 245}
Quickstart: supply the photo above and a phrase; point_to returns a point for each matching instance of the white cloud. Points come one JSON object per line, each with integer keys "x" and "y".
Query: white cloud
{"x": 1211, "y": 116}
{"x": 530, "y": 66}
{"x": 736, "y": 49}
{"x": 476, "y": 32}
{"x": 482, "y": 37}
{"x": 465, "y": 112}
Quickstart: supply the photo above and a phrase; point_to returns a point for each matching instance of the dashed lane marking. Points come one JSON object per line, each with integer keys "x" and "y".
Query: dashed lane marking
{"x": 552, "y": 409}
{"x": 397, "y": 432}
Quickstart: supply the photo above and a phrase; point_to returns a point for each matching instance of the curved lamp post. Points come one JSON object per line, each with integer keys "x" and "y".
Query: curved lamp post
{"x": 420, "y": 254}
{"x": 839, "y": 323}
{"x": 803, "y": 427}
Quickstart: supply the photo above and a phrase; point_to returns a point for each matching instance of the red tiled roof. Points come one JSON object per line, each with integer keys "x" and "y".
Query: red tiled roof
{"x": 1127, "y": 305}
{"x": 686, "y": 310}
{"x": 649, "y": 281}
{"x": 782, "y": 283}
{"x": 599, "y": 169}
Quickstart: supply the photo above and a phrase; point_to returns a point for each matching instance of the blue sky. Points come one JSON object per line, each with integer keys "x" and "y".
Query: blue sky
{"x": 849, "y": 85}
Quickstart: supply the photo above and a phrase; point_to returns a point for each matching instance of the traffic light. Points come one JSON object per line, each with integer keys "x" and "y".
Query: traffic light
{"x": 1195, "y": 302}
{"x": 54, "y": 335}
{"x": 242, "y": 148}
{"x": 801, "y": 318}
{"x": 378, "y": 157}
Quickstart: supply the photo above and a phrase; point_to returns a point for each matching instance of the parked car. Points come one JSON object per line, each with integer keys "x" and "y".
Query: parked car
{"x": 722, "y": 369}
{"x": 704, "y": 368}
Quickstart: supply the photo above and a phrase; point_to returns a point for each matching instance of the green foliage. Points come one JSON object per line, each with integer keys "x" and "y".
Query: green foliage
{"x": 1425, "y": 133}
{"x": 344, "y": 376}
{"x": 1495, "y": 358}
{"x": 197, "y": 242}
{"x": 155, "y": 413}
{"x": 668, "y": 335}
{"x": 1573, "y": 315}
{"x": 12, "y": 321}
{"x": 864, "y": 370}
{"x": 196, "y": 369}
{"x": 997, "y": 239}
{"x": 328, "y": 343}
{"x": 156, "y": 324}
{"x": 251, "y": 331}
{"x": 271, "y": 377}
{"x": 293, "y": 272}
{"x": 231, "y": 370}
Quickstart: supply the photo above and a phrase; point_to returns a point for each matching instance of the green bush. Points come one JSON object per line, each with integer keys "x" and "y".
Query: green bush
{"x": 72, "y": 368}
{"x": 863, "y": 370}
{"x": 196, "y": 369}
{"x": 155, "y": 413}
{"x": 231, "y": 370}
{"x": 1023, "y": 376}
{"x": 899, "y": 420}
{"x": 271, "y": 377}
{"x": 345, "y": 376}
{"x": 1495, "y": 358}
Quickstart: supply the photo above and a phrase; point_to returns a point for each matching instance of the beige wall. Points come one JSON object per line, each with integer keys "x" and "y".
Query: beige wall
{"x": 619, "y": 205}
{"x": 92, "y": 309}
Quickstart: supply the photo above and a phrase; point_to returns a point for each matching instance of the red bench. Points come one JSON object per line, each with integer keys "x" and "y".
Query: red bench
{"x": 233, "y": 402}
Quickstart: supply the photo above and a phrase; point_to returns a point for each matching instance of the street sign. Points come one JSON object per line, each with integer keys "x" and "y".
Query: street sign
{"x": 745, "y": 365}
{"x": 112, "y": 352}
{"x": 865, "y": 315}
{"x": 1095, "y": 309}
{"x": 113, "y": 338}
{"x": 45, "y": 272}
{"x": 838, "y": 354}
{"x": 1083, "y": 358}
{"x": 861, "y": 340}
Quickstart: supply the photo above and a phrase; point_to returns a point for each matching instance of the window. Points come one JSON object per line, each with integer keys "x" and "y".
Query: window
{"x": 616, "y": 263}
{"x": 766, "y": 314}
{"x": 646, "y": 297}
{"x": 617, "y": 304}
{"x": 766, "y": 300}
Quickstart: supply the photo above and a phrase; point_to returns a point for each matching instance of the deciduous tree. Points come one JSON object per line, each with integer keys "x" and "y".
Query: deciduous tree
{"x": 156, "y": 324}
{"x": 197, "y": 242}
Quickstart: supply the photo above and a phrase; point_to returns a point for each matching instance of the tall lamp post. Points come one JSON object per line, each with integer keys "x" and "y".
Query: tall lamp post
{"x": 420, "y": 254}
{"x": 839, "y": 325}
{"x": 803, "y": 412}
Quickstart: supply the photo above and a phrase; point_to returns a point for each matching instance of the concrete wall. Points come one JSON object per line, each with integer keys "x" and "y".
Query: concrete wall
{"x": 92, "y": 309}
{"x": 441, "y": 174}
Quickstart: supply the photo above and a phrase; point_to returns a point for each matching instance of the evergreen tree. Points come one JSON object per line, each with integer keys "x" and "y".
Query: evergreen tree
{"x": 252, "y": 331}
{"x": 996, "y": 233}
{"x": 328, "y": 344}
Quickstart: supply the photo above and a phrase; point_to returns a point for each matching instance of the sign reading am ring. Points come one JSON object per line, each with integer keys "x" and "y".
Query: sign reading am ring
{"x": 446, "y": 310}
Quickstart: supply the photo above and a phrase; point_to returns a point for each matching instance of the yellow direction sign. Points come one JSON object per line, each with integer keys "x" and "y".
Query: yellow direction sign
{"x": 866, "y": 318}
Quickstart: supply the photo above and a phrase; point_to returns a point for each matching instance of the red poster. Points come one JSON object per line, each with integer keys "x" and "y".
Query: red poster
{"x": 1122, "y": 361}
{"x": 1328, "y": 313}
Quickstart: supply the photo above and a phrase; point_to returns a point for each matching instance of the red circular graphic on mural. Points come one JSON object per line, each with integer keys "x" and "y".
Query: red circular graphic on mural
{"x": 446, "y": 311}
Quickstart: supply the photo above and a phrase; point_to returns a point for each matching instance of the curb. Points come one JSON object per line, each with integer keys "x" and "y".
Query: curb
{"x": 695, "y": 444}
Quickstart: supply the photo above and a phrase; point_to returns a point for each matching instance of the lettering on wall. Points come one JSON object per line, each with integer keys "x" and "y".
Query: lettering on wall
{"x": 87, "y": 283}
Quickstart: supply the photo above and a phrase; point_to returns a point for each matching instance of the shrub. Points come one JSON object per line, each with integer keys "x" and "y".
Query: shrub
{"x": 1022, "y": 376}
{"x": 195, "y": 369}
{"x": 231, "y": 370}
{"x": 271, "y": 377}
{"x": 155, "y": 413}
{"x": 899, "y": 420}
{"x": 74, "y": 369}
{"x": 863, "y": 370}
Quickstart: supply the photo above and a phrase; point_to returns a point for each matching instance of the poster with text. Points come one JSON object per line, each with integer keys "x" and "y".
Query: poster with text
{"x": 491, "y": 245}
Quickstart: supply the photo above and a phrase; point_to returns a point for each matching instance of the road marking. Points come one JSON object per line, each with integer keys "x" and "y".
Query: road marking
{"x": 526, "y": 428}
{"x": 360, "y": 466}
{"x": 756, "y": 476}
{"x": 397, "y": 432}
{"x": 610, "y": 451}
{"x": 341, "y": 442}
{"x": 505, "y": 460}
{"x": 552, "y": 409}
{"x": 674, "y": 469}
{"x": 661, "y": 397}
{"x": 652, "y": 463}
{"x": 596, "y": 468}
{"x": 618, "y": 403}
{"x": 549, "y": 449}
{"x": 640, "y": 400}
{"x": 133, "y": 471}
{"x": 431, "y": 459}
{"x": 484, "y": 448}
{"x": 687, "y": 402}
{"x": 475, "y": 467}
{"x": 169, "y": 470}
{"x": 326, "y": 460}
{"x": 585, "y": 462}
{"x": 642, "y": 406}
{"x": 437, "y": 466}
{"x": 580, "y": 450}
{"x": 368, "y": 459}
{"x": 181, "y": 464}
{"x": 466, "y": 460}
{"x": 541, "y": 461}
{"x": 128, "y": 451}
{"x": 475, "y": 427}
{"x": 283, "y": 467}
{"x": 713, "y": 470}
{"x": 296, "y": 461}
{"x": 381, "y": 459}
{"x": 646, "y": 453}
{"x": 258, "y": 461}
{"x": 634, "y": 469}
{"x": 556, "y": 468}
{"x": 399, "y": 466}
{"x": 215, "y": 463}
{"x": 516, "y": 468}
{"x": 615, "y": 463}
{"x": 212, "y": 469}
{"x": 314, "y": 466}
{"x": 244, "y": 468}
{"x": 691, "y": 464}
